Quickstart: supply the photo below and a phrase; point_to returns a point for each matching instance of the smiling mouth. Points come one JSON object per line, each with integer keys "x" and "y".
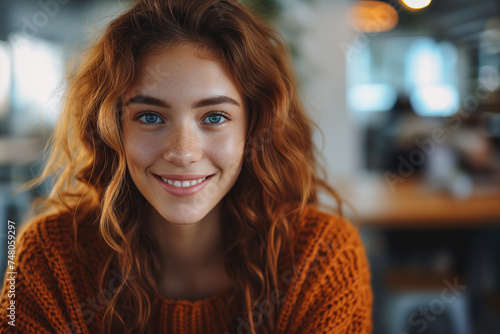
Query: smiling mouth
{"x": 184, "y": 183}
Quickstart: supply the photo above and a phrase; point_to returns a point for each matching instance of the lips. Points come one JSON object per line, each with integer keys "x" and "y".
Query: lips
{"x": 183, "y": 184}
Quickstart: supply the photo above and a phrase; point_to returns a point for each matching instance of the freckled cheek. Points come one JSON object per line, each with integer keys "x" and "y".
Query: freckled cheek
{"x": 140, "y": 152}
{"x": 226, "y": 151}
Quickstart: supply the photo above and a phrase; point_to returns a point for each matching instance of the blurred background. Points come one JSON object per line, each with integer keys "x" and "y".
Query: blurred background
{"x": 407, "y": 97}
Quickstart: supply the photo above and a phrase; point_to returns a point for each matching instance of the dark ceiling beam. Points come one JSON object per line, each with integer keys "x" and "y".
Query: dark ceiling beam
{"x": 3, "y": 20}
{"x": 472, "y": 37}
{"x": 456, "y": 17}
{"x": 467, "y": 27}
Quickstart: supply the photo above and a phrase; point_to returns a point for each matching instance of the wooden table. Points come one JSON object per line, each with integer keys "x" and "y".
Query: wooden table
{"x": 414, "y": 203}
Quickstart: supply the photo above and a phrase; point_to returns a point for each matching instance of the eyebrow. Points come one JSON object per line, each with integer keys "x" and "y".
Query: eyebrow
{"x": 209, "y": 101}
{"x": 143, "y": 99}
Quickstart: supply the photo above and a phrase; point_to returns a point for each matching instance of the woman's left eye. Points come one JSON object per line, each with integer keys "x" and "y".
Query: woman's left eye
{"x": 215, "y": 118}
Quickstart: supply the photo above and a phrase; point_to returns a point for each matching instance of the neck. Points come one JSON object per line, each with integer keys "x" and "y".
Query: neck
{"x": 188, "y": 248}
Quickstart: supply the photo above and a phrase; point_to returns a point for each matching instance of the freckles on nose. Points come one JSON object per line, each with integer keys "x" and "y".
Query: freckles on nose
{"x": 185, "y": 141}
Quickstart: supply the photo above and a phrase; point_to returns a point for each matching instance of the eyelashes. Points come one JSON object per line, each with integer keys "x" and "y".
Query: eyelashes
{"x": 216, "y": 115}
{"x": 149, "y": 118}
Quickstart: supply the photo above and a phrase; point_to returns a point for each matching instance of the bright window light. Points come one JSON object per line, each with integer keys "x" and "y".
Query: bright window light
{"x": 424, "y": 63}
{"x": 435, "y": 100}
{"x": 37, "y": 90}
{"x": 431, "y": 79}
{"x": 5, "y": 78}
{"x": 371, "y": 97}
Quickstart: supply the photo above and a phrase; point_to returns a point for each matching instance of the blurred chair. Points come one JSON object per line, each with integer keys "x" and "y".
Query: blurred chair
{"x": 484, "y": 276}
{"x": 424, "y": 282}
{"x": 416, "y": 312}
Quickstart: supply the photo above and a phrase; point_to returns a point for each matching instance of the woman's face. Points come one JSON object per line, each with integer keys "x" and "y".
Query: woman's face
{"x": 184, "y": 126}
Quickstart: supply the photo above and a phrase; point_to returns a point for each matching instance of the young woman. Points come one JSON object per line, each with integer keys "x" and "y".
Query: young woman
{"x": 185, "y": 195}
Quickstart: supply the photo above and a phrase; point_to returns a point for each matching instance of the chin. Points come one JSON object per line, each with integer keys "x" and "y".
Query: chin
{"x": 184, "y": 214}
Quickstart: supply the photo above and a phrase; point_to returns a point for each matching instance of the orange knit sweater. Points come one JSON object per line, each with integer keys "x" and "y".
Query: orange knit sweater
{"x": 327, "y": 290}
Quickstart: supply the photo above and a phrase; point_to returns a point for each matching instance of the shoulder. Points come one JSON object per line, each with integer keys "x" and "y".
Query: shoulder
{"x": 60, "y": 227}
{"x": 318, "y": 230}
{"x": 40, "y": 236}
{"x": 325, "y": 246}
{"x": 49, "y": 276}
{"x": 53, "y": 230}
{"x": 333, "y": 243}
{"x": 45, "y": 231}
{"x": 48, "y": 262}
{"x": 328, "y": 285}
{"x": 51, "y": 237}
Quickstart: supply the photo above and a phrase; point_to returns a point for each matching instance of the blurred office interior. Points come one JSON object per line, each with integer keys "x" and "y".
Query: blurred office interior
{"x": 408, "y": 103}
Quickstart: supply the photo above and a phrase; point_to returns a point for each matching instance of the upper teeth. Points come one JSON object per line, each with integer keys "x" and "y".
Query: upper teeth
{"x": 186, "y": 183}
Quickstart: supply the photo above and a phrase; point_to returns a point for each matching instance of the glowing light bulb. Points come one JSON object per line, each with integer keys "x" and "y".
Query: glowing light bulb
{"x": 416, "y": 4}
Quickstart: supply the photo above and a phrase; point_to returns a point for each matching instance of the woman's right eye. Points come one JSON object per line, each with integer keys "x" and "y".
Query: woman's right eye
{"x": 149, "y": 118}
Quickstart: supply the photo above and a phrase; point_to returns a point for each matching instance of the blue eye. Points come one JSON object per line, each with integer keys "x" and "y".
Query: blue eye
{"x": 215, "y": 118}
{"x": 150, "y": 118}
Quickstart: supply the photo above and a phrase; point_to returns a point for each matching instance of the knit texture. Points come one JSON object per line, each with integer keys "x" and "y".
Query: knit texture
{"x": 326, "y": 290}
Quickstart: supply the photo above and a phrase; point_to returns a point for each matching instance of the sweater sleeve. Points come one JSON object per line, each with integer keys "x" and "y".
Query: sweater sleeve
{"x": 39, "y": 290}
{"x": 336, "y": 296}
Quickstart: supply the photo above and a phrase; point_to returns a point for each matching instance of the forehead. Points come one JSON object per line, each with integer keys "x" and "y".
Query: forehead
{"x": 180, "y": 69}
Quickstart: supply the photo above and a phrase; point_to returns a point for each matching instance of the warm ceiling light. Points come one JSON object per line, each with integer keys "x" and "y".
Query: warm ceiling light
{"x": 372, "y": 16}
{"x": 416, "y": 4}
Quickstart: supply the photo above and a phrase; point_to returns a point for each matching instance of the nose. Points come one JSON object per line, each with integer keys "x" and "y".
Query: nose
{"x": 183, "y": 146}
